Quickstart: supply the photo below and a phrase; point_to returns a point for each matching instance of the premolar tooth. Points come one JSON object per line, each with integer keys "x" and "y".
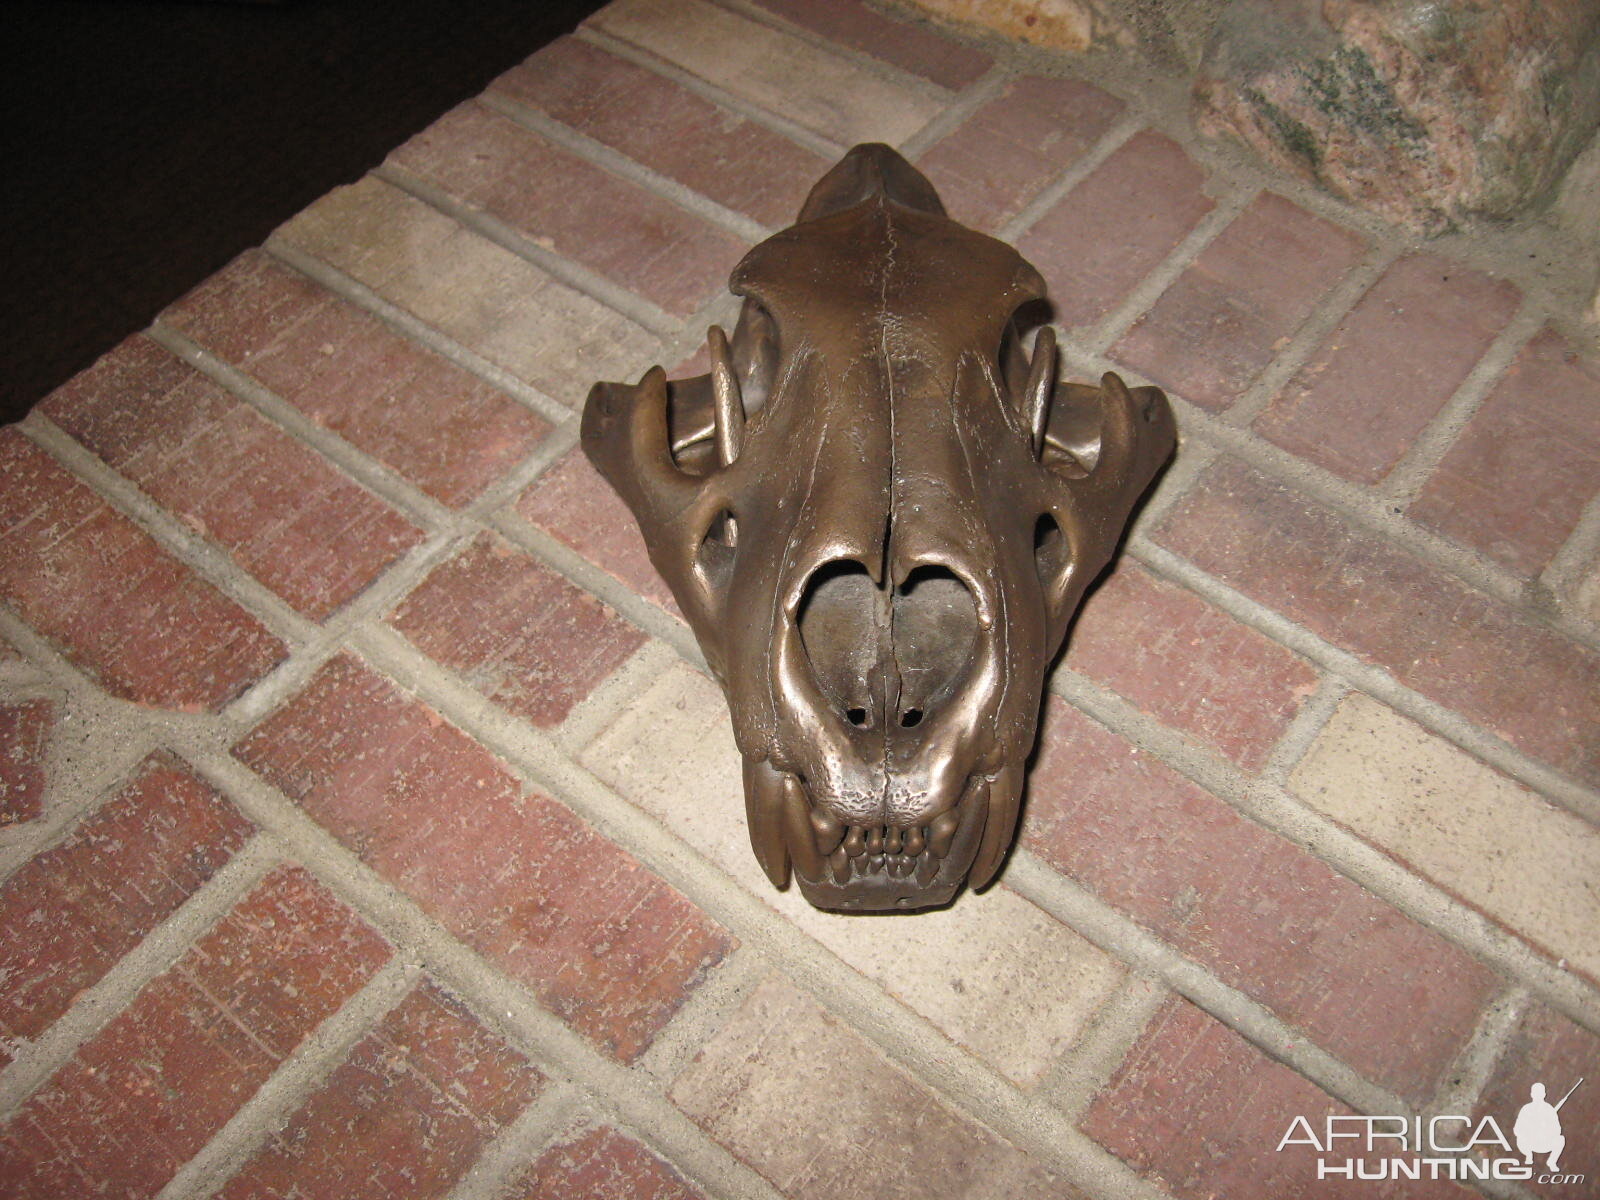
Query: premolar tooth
{"x": 800, "y": 837}
{"x": 1005, "y": 795}
{"x": 855, "y": 842}
{"x": 895, "y": 839}
{"x": 829, "y": 830}
{"x": 916, "y": 841}
{"x": 763, "y": 805}
{"x": 941, "y": 831}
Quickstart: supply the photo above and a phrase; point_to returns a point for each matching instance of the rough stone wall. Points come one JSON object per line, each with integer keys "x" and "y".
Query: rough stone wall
{"x": 1432, "y": 115}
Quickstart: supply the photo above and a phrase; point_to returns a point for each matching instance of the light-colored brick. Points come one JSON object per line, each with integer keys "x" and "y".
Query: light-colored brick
{"x": 494, "y": 303}
{"x": 995, "y": 973}
{"x": 774, "y": 70}
{"x": 1462, "y": 824}
{"x": 800, "y": 1096}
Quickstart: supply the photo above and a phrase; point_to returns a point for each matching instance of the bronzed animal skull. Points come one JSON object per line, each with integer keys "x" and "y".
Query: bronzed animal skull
{"x": 879, "y": 512}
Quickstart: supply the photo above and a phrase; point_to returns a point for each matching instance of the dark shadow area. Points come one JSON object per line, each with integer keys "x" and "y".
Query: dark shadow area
{"x": 146, "y": 144}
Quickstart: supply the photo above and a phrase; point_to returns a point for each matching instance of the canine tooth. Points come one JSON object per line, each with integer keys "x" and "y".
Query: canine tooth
{"x": 798, "y": 834}
{"x": 763, "y": 806}
{"x": 895, "y": 839}
{"x": 875, "y": 840}
{"x": 727, "y": 403}
{"x": 942, "y": 830}
{"x": 829, "y": 830}
{"x": 1005, "y": 794}
{"x": 915, "y": 841}
{"x": 855, "y": 842}
{"x": 927, "y": 868}
{"x": 1040, "y": 386}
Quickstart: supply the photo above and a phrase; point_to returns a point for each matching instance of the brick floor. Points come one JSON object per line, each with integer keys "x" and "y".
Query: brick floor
{"x": 70, "y": 914}
{"x": 1226, "y": 317}
{"x": 1202, "y": 1111}
{"x": 368, "y": 826}
{"x": 598, "y": 938}
{"x": 24, "y": 741}
{"x": 1456, "y": 645}
{"x": 1515, "y": 483}
{"x": 1267, "y": 917}
{"x": 440, "y": 427}
{"x": 885, "y": 1136}
{"x": 1359, "y": 403}
{"x": 150, "y": 1089}
{"x": 999, "y": 158}
{"x": 602, "y": 1162}
{"x": 406, "y": 1113}
{"x": 518, "y": 631}
{"x": 289, "y": 519}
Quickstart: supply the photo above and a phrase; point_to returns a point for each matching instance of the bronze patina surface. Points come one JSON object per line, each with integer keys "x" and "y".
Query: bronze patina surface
{"x": 878, "y": 512}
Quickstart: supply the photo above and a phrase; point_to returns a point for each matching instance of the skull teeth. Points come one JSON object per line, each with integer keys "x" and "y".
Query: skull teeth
{"x": 860, "y": 850}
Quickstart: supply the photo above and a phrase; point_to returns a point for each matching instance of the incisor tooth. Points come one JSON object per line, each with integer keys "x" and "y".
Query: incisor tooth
{"x": 855, "y": 842}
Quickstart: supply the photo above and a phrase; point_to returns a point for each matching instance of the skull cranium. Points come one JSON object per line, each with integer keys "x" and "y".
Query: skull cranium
{"x": 879, "y": 513}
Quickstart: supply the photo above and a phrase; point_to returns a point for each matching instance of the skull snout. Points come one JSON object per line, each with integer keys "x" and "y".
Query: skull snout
{"x": 893, "y": 671}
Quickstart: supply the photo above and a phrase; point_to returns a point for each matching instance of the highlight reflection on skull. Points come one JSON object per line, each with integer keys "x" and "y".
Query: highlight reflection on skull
{"x": 878, "y": 512}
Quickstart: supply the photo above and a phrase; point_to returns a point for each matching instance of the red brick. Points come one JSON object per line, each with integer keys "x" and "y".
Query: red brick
{"x": 443, "y": 429}
{"x": 739, "y": 164}
{"x": 1377, "y": 380}
{"x": 913, "y": 48}
{"x": 1548, "y": 1048}
{"x": 598, "y": 939}
{"x": 1110, "y": 231}
{"x": 1202, "y": 1111}
{"x": 24, "y": 741}
{"x": 290, "y": 519}
{"x": 116, "y": 603}
{"x": 575, "y": 506}
{"x": 1004, "y": 154}
{"x": 1267, "y": 917}
{"x": 568, "y": 205}
{"x": 519, "y": 633}
{"x": 1230, "y": 312}
{"x": 70, "y": 913}
{"x": 602, "y": 1162}
{"x": 1520, "y": 475}
{"x": 146, "y": 1092}
{"x": 1433, "y": 633}
{"x": 802, "y": 1098}
{"x": 1188, "y": 664}
{"x": 406, "y": 1114}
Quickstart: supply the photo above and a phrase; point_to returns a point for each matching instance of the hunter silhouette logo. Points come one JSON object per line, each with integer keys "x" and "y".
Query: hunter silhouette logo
{"x": 1402, "y": 1147}
{"x": 1538, "y": 1127}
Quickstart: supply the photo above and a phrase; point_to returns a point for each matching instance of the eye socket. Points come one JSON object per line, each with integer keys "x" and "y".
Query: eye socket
{"x": 1051, "y": 558}
{"x": 714, "y": 558}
